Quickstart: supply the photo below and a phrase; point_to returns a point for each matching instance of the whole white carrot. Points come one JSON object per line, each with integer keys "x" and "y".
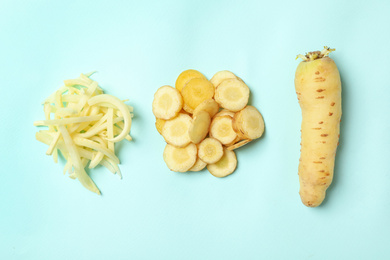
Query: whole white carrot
{"x": 318, "y": 87}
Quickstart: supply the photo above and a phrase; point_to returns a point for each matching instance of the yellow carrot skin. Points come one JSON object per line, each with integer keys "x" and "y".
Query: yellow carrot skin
{"x": 318, "y": 87}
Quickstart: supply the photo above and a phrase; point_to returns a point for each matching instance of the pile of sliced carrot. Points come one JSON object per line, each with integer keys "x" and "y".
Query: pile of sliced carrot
{"x": 203, "y": 121}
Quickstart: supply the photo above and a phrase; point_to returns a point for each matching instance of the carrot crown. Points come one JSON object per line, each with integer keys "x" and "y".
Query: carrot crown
{"x": 315, "y": 55}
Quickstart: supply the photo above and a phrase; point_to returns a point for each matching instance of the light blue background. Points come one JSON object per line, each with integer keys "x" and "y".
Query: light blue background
{"x": 138, "y": 46}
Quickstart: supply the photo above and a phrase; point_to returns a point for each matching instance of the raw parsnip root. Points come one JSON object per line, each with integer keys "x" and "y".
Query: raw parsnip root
{"x": 180, "y": 159}
{"x": 225, "y": 166}
{"x": 198, "y": 166}
{"x": 85, "y": 127}
{"x": 221, "y": 76}
{"x": 159, "y": 125}
{"x": 199, "y": 127}
{"x": 209, "y": 105}
{"x": 185, "y": 77}
{"x": 238, "y": 144}
{"x": 167, "y": 102}
{"x": 248, "y": 123}
{"x": 175, "y": 131}
{"x": 318, "y": 88}
{"x": 221, "y": 128}
{"x": 232, "y": 94}
{"x": 210, "y": 150}
{"x": 195, "y": 92}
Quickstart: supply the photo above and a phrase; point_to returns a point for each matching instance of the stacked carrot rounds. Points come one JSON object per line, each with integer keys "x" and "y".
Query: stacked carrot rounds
{"x": 203, "y": 121}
